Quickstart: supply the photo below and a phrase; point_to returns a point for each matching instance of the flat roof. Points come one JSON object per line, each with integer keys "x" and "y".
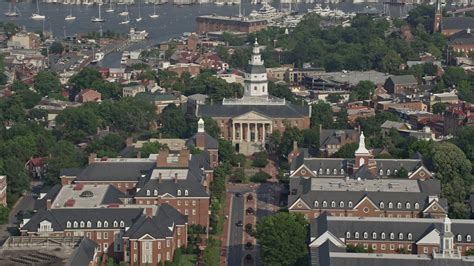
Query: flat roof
{"x": 350, "y": 184}
{"x": 69, "y": 193}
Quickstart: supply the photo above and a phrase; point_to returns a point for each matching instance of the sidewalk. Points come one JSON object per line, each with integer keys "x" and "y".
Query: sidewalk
{"x": 225, "y": 235}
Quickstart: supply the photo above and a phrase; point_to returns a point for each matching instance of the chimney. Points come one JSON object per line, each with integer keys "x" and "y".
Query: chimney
{"x": 161, "y": 159}
{"x": 295, "y": 145}
{"x": 92, "y": 157}
{"x": 149, "y": 212}
{"x": 320, "y": 128}
{"x": 129, "y": 142}
{"x": 139, "y": 154}
{"x": 183, "y": 158}
{"x": 176, "y": 177}
{"x": 48, "y": 204}
{"x": 160, "y": 177}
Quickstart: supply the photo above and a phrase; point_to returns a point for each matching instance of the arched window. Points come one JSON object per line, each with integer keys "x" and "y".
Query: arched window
{"x": 349, "y": 204}
{"x": 396, "y": 171}
{"x": 316, "y": 203}
{"x": 366, "y": 235}
{"x": 335, "y": 171}
{"x": 333, "y": 204}
{"x": 399, "y": 205}
{"x": 148, "y": 192}
{"x": 82, "y": 224}
{"x": 115, "y": 224}
{"x": 361, "y": 161}
{"x": 390, "y": 205}
{"x": 155, "y": 192}
{"x": 381, "y": 172}
{"x": 400, "y": 236}
{"x": 68, "y": 224}
{"x": 179, "y": 192}
{"x": 392, "y": 236}
{"x": 459, "y": 238}
{"x": 320, "y": 171}
{"x": 348, "y": 234}
{"x": 417, "y": 206}
{"x": 388, "y": 172}
{"x": 356, "y": 235}
{"x": 89, "y": 224}
{"x": 106, "y": 224}
{"x": 382, "y": 235}
{"x": 255, "y": 88}
{"x": 99, "y": 224}
{"x": 410, "y": 236}
{"x": 325, "y": 204}
{"x": 381, "y": 205}
{"x": 328, "y": 171}
{"x": 374, "y": 235}
{"x": 342, "y": 171}
{"x": 186, "y": 192}
{"x": 408, "y": 205}
{"x": 341, "y": 204}
{"x": 468, "y": 238}
{"x": 75, "y": 224}
{"x": 122, "y": 224}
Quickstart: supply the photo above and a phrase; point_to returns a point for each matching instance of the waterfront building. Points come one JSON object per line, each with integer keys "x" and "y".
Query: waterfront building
{"x": 214, "y": 23}
{"x": 249, "y": 121}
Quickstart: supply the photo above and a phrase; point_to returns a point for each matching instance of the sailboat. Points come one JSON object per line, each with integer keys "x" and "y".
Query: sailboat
{"x": 124, "y": 13}
{"x": 111, "y": 8}
{"x": 126, "y": 21}
{"x": 139, "y": 12}
{"x": 154, "y": 15}
{"x": 37, "y": 15}
{"x": 12, "y": 13}
{"x": 70, "y": 17}
{"x": 99, "y": 19}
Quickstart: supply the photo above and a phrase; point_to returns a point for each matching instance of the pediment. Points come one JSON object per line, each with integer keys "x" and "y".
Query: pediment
{"x": 299, "y": 205}
{"x": 252, "y": 115}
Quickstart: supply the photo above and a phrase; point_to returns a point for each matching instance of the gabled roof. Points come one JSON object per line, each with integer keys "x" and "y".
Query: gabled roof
{"x": 403, "y": 79}
{"x": 274, "y": 111}
{"x": 462, "y": 37}
{"x": 115, "y": 171}
{"x": 457, "y": 23}
{"x": 83, "y": 254}
{"x": 209, "y": 141}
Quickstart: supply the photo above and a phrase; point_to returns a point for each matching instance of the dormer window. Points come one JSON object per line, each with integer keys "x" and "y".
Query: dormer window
{"x": 417, "y": 206}
{"x": 115, "y": 224}
{"x": 399, "y": 205}
{"x": 335, "y": 171}
{"x": 99, "y": 224}
{"x": 341, "y": 204}
{"x": 342, "y": 171}
{"x": 366, "y": 235}
{"x": 122, "y": 224}
{"x": 382, "y": 235}
{"x": 356, "y": 235}
{"x": 468, "y": 238}
{"x": 333, "y": 204}
{"x": 400, "y": 236}
{"x": 155, "y": 192}
{"x": 89, "y": 224}
{"x": 75, "y": 224}
{"x": 82, "y": 224}
{"x": 320, "y": 171}
{"x": 68, "y": 224}
{"x": 186, "y": 192}
{"x": 148, "y": 193}
{"x": 349, "y": 204}
{"x": 348, "y": 235}
{"x": 316, "y": 203}
{"x": 381, "y": 205}
{"x": 381, "y": 172}
{"x": 325, "y": 204}
{"x": 106, "y": 224}
{"x": 388, "y": 172}
{"x": 179, "y": 192}
{"x": 374, "y": 235}
{"x": 459, "y": 238}
{"x": 410, "y": 236}
{"x": 408, "y": 205}
{"x": 392, "y": 236}
{"x": 390, "y": 205}
{"x": 328, "y": 171}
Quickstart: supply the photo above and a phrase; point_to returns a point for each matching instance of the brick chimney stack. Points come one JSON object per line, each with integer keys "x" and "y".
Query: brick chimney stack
{"x": 183, "y": 158}
{"x": 176, "y": 177}
{"x": 92, "y": 157}
{"x": 161, "y": 159}
{"x": 149, "y": 212}
{"x": 48, "y": 204}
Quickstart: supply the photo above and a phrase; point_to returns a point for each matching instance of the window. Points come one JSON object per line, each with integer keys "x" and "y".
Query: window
{"x": 408, "y": 205}
{"x": 399, "y": 205}
{"x": 459, "y": 238}
{"x": 390, "y": 205}
{"x": 99, "y": 235}
{"x": 186, "y": 212}
{"x": 99, "y": 224}
{"x": 320, "y": 171}
{"x": 148, "y": 192}
{"x": 186, "y": 192}
{"x": 179, "y": 231}
{"x": 316, "y": 203}
{"x": 382, "y": 247}
{"x": 374, "y": 246}
{"x": 381, "y": 172}
{"x": 342, "y": 171}
{"x": 381, "y": 205}
{"x": 155, "y": 192}
{"x": 417, "y": 206}
{"x": 335, "y": 171}
{"x": 425, "y": 250}
{"x": 374, "y": 235}
{"x": 349, "y": 204}
{"x": 400, "y": 236}
{"x": 341, "y": 204}
{"x": 388, "y": 172}
{"x": 468, "y": 238}
{"x": 179, "y": 203}
{"x": 106, "y": 224}
{"x": 159, "y": 245}
{"x": 135, "y": 245}
{"x": 75, "y": 224}
{"x": 179, "y": 192}
{"x": 167, "y": 243}
{"x": 185, "y": 203}
{"x": 106, "y": 235}
{"x": 122, "y": 224}
{"x": 328, "y": 171}
{"x": 392, "y": 236}
{"x": 348, "y": 235}
{"x": 356, "y": 235}
{"x": 68, "y": 224}
{"x": 115, "y": 224}
{"x": 366, "y": 235}
{"x": 333, "y": 204}
{"x": 89, "y": 224}
{"x": 82, "y": 224}
{"x": 392, "y": 247}
{"x": 325, "y": 204}
{"x": 194, "y": 212}
{"x": 382, "y": 235}
{"x": 410, "y": 236}
{"x": 194, "y": 203}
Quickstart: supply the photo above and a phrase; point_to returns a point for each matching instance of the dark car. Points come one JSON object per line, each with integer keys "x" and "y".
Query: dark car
{"x": 239, "y": 223}
{"x": 238, "y": 195}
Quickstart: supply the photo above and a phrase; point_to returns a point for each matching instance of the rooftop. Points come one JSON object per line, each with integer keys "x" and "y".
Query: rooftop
{"x": 83, "y": 196}
{"x": 349, "y": 184}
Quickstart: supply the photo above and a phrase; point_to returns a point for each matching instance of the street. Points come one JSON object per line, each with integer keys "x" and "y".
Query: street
{"x": 236, "y": 232}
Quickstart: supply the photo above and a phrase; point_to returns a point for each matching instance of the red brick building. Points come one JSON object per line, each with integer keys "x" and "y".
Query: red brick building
{"x": 457, "y": 115}
{"x": 88, "y": 95}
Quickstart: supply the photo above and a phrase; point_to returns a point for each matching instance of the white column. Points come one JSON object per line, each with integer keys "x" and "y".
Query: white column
{"x": 256, "y": 133}
{"x": 248, "y": 132}
{"x": 241, "y": 132}
{"x": 233, "y": 131}
{"x": 263, "y": 133}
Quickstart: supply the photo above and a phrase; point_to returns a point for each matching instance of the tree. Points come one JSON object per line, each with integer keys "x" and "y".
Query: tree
{"x": 56, "y": 48}
{"x": 47, "y": 83}
{"x": 19, "y": 85}
{"x": 453, "y": 76}
{"x": 172, "y": 121}
{"x": 346, "y": 151}
{"x": 75, "y": 124}
{"x": 4, "y": 211}
{"x": 107, "y": 146}
{"x": 3, "y": 77}
{"x": 260, "y": 159}
{"x": 239, "y": 176}
{"x": 362, "y": 91}
{"x": 282, "y": 238}
{"x": 391, "y": 62}
{"x": 18, "y": 180}
{"x": 84, "y": 79}
{"x": 212, "y": 128}
{"x": 151, "y": 147}
{"x": 334, "y": 98}
{"x": 280, "y": 91}
{"x": 260, "y": 177}
{"x": 63, "y": 155}
{"x": 466, "y": 91}
{"x": 321, "y": 114}
{"x": 438, "y": 108}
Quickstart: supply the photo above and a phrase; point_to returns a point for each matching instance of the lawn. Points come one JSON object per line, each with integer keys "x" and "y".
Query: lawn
{"x": 187, "y": 260}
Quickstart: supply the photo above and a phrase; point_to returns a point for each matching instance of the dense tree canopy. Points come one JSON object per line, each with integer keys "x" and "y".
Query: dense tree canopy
{"x": 363, "y": 90}
{"x": 47, "y": 83}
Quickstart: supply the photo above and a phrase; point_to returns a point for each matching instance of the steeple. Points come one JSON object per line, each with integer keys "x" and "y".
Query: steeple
{"x": 447, "y": 239}
{"x": 362, "y": 149}
{"x": 438, "y": 17}
{"x": 201, "y": 126}
{"x": 256, "y": 83}
{"x": 362, "y": 155}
